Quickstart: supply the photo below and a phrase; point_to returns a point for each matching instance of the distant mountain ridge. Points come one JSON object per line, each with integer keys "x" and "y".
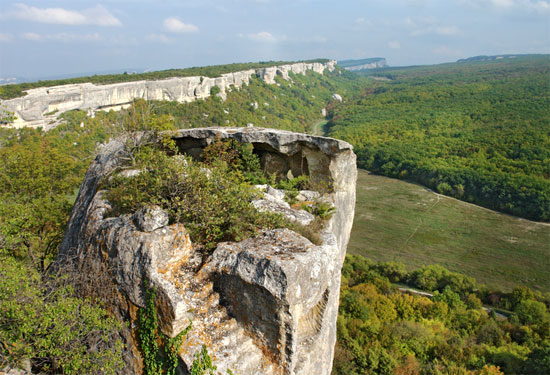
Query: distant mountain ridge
{"x": 494, "y": 57}
{"x": 363, "y": 64}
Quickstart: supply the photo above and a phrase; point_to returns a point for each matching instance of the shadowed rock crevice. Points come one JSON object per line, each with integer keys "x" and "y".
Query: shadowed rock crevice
{"x": 250, "y": 305}
{"x": 310, "y": 323}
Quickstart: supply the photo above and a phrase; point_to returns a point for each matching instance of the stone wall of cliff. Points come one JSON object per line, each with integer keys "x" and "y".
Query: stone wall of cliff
{"x": 42, "y": 106}
{"x": 265, "y": 305}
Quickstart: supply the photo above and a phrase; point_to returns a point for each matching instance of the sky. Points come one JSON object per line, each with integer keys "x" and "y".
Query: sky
{"x": 47, "y": 38}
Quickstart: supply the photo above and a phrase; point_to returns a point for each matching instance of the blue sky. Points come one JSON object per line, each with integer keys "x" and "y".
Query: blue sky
{"x": 50, "y": 38}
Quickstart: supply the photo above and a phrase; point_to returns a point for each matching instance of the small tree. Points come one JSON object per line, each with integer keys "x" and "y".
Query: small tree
{"x": 140, "y": 126}
{"x": 6, "y": 117}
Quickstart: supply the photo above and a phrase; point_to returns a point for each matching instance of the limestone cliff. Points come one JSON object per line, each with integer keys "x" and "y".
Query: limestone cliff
{"x": 265, "y": 305}
{"x": 42, "y": 106}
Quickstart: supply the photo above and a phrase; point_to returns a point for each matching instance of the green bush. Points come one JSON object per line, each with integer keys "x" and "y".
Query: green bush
{"x": 213, "y": 204}
{"x": 239, "y": 157}
{"x": 202, "y": 365}
{"x": 215, "y": 90}
{"x": 48, "y": 325}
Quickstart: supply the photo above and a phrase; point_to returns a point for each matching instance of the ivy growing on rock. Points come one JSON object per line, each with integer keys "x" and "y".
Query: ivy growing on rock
{"x": 160, "y": 352}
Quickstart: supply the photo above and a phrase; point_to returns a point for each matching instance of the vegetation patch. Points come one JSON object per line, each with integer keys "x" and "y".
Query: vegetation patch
{"x": 477, "y": 131}
{"x": 382, "y": 330}
{"x": 160, "y": 353}
{"x": 45, "y": 323}
{"x": 211, "y": 199}
{"x": 400, "y": 221}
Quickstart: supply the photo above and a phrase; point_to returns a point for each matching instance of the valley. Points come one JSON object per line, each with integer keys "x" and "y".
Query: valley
{"x": 405, "y": 222}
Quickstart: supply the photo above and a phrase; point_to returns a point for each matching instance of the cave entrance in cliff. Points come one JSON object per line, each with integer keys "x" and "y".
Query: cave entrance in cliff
{"x": 272, "y": 161}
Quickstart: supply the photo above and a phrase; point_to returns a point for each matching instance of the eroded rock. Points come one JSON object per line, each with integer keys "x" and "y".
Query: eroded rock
{"x": 265, "y": 305}
{"x": 150, "y": 218}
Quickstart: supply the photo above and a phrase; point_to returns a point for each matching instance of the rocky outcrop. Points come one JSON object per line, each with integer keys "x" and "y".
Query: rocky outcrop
{"x": 42, "y": 106}
{"x": 265, "y": 305}
{"x": 365, "y": 64}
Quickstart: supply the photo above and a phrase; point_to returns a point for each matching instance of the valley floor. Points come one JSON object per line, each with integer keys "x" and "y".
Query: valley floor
{"x": 408, "y": 223}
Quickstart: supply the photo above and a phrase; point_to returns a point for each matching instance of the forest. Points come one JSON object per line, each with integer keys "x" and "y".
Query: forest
{"x": 386, "y": 330}
{"x": 477, "y": 131}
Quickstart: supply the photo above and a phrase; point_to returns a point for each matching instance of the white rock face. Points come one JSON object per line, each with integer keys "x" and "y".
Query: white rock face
{"x": 263, "y": 306}
{"x": 42, "y": 106}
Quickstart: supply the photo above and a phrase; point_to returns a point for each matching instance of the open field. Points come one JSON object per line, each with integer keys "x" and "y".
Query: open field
{"x": 405, "y": 222}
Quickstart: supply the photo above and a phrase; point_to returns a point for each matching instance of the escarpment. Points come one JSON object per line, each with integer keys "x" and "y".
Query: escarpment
{"x": 265, "y": 305}
{"x": 41, "y": 107}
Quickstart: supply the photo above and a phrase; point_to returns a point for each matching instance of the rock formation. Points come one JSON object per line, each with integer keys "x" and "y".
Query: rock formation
{"x": 364, "y": 64}
{"x": 42, "y": 106}
{"x": 265, "y": 305}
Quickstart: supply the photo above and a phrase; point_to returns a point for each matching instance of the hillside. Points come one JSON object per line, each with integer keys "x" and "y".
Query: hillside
{"x": 492, "y": 58}
{"x": 477, "y": 131}
{"x": 405, "y": 222}
{"x": 11, "y": 91}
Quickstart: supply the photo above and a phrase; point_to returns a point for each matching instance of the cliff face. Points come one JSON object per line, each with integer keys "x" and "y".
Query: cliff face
{"x": 363, "y": 64}
{"x": 372, "y": 65}
{"x": 265, "y": 305}
{"x": 41, "y": 106}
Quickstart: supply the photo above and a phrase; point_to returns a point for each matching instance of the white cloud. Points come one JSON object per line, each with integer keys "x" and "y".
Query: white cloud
{"x": 174, "y": 25}
{"x": 262, "y": 36}
{"x": 503, "y": 3}
{"x": 437, "y": 30}
{"x": 447, "y": 30}
{"x": 361, "y": 23}
{"x": 537, "y": 6}
{"x": 160, "y": 38}
{"x": 98, "y": 16}
{"x": 31, "y": 36}
{"x": 5, "y": 38}
{"x": 394, "y": 44}
{"x": 62, "y": 37}
{"x": 429, "y": 25}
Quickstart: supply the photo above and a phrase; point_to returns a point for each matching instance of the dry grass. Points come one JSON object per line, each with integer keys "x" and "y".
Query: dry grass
{"x": 400, "y": 221}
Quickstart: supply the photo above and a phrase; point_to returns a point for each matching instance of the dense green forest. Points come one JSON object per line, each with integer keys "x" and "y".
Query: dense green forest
{"x": 384, "y": 330}
{"x": 478, "y": 131}
{"x": 16, "y": 90}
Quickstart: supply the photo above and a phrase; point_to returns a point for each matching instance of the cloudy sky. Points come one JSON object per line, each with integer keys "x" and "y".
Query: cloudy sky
{"x": 45, "y": 38}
